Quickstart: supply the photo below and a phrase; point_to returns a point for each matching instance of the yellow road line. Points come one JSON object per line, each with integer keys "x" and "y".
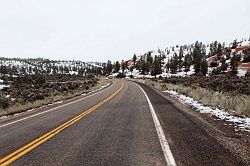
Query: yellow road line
{"x": 30, "y": 146}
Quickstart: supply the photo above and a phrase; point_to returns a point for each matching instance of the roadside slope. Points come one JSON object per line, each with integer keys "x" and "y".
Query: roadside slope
{"x": 189, "y": 142}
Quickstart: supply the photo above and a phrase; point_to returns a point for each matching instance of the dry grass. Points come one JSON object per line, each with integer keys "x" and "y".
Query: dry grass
{"x": 39, "y": 103}
{"x": 51, "y": 99}
{"x": 237, "y": 105}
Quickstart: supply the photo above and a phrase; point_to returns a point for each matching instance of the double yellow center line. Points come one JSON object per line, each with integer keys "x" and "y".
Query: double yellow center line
{"x": 30, "y": 146}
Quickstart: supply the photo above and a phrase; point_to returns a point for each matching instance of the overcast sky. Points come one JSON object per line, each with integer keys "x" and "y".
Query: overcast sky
{"x": 98, "y": 30}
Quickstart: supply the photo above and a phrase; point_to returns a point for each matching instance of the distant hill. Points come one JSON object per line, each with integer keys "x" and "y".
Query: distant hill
{"x": 29, "y": 66}
{"x": 181, "y": 60}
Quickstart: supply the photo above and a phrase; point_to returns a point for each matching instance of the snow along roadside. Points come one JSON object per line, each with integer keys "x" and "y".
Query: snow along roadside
{"x": 241, "y": 123}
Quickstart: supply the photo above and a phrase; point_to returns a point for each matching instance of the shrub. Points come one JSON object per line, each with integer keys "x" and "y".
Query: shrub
{"x": 121, "y": 75}
{"x": 213, "y": 64}
{"x": 4, "y": 103}
{"x": 216, "y": 71}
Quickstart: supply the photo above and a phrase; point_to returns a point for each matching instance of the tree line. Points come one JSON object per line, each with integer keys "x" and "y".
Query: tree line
{"x": 180, "y": 58}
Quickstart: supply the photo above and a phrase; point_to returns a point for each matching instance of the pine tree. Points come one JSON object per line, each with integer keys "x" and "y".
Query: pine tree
{"x": 30, "y": 70}
{"x": 174, "y": 64}
{"x": 187, "y": 62}
{"x": 109, "y": 67}
{"x": 139, "y": 63}
{"x": 159, "y": 64}
{"x": 234, "y": 44}
{"x": 180, "y": 58}
{"x": 167, "y": 66}
{"x": 197, "y": 57}
{"x": 54, "y": 71}
{"x": 156, "y": 67}
{"x": 234, "y": 63}
{"x": 204, "y": 66}
{"x": 23, "y": 71}
{"x": 14, "y": 70}
{"x": 66, "y": 69}
{"x": 161, "y": 57}
{"x": 134, "y": 59}
{"x": 123, "y": 66}
{"x": 3, "y": 69}
{"x": 215, "y": 48}
{"x": 149, "y": 62}
{"x": 219, "y": 48}
{"x": 223, "y": 64}
{"x": 143, "y": 66}
{"x": 117, "y": 67}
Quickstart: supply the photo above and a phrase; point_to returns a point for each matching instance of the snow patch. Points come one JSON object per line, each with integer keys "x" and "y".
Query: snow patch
{"x": 58, "y": 102}
{"x": 3, "y": 86}
{"x": 241, "y": 72}
{"x": 241, "y": 123}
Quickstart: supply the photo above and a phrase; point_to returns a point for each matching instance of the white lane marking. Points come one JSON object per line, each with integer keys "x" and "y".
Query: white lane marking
{"x": 164, "y": 144}
{"x": 28, "y": 117}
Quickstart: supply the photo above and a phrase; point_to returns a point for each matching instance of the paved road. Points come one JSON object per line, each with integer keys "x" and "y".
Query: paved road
{"x": 112, "y": 127}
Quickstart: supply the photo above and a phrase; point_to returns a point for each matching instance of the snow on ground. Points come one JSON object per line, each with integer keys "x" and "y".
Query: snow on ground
{"x": 246, "y": 42}
{"x": 241, "y": 123}
{"x": 241, "y": 72}
{"x": 73, "y": 72}
{"x": 136, "y": 73}
{"x": 36, "y": 63}
{"x": 179, "y": 74}
{"x": 2, "y": 85}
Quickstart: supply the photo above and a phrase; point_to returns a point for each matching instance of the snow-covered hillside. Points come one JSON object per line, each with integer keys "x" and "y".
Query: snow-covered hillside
{"x": 16, "y": 66}
{"x": 219, "y": 58}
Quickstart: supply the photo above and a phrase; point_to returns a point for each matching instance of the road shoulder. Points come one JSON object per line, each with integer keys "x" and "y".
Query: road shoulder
{"x": 236, "y": 142}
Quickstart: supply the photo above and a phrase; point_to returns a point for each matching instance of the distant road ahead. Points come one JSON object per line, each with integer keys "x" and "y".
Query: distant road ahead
{"x": 116, "y": 126}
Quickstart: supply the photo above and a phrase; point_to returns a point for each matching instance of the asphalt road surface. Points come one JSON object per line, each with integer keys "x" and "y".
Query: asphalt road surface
{"x": 116, "y": 126}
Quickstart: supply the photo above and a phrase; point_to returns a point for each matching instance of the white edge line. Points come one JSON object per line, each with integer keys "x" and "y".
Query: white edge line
{"x": 28, "y": 117}
{"x": 164, "y": 144}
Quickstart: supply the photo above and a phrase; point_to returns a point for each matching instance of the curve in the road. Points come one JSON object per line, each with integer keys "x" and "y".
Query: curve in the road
{"x": 30, "y": 146}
